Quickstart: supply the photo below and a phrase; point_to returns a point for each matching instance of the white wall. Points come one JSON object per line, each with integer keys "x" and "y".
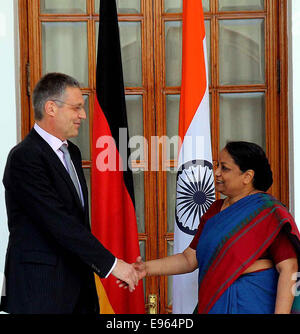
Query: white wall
{"x": 9, "y": 88}
{"x": 294, "y": 105}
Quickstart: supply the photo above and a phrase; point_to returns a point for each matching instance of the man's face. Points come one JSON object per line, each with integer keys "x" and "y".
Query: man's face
{"x": 70, "y": 113}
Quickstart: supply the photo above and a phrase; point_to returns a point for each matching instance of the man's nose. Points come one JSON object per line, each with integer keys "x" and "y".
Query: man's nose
{"x": 82, "y": 113}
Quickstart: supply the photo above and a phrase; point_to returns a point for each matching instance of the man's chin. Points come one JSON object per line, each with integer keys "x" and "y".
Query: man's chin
{"x": 73, "y": 135}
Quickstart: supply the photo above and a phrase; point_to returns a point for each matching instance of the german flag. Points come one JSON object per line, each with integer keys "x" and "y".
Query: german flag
{"x": 113, "y": 212}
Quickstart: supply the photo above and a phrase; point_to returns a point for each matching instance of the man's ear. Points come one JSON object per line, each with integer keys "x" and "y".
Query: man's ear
{"x": 249, "y": 176}
{"x": 50, "y": 108}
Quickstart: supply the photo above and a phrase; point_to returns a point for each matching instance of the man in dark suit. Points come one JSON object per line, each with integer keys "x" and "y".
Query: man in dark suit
{"x": 52, "y": 255}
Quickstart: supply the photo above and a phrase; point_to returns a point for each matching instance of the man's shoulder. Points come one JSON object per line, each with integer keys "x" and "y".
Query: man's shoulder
{"x": 27, "y": 148}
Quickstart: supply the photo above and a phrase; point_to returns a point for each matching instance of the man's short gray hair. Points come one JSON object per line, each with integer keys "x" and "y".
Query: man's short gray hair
{"x": 50, "y": 87}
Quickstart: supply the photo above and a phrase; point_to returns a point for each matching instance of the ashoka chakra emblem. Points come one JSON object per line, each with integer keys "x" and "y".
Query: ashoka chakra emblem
{"x": 195, "y": 194}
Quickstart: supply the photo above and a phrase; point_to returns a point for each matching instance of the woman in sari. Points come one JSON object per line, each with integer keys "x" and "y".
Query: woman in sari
{"x": 246, "y": 246}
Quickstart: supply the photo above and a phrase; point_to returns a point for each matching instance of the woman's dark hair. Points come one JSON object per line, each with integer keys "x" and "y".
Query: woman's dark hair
{"x": 251, "y": 156}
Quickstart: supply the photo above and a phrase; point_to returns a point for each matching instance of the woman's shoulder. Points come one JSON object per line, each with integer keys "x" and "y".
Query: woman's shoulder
{"x": 216, "y": 205}
{"x": 218, "y": 202}
{"x": 213, "y": 209}
{"x": 270, "y": 201}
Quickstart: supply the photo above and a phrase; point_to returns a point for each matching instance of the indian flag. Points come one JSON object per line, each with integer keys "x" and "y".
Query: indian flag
{"x": 195, "y": 181}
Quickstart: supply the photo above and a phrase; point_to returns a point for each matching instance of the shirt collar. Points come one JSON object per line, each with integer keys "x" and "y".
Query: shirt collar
{"x": 54, "y": 142}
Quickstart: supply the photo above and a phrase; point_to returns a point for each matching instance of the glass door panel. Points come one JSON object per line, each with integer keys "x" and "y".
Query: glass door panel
{"x": 172, "y": 119}
{"x": 129, "y": 6}
{"x": 173, "y": 6}
{"x": 123, "y": 6}
{"x": 241, "y": 5}
{"x": 63, "y": 6}
{"x": 206, "y": 5}
{"x": 134, "y": 107}
{"x": 173, "y": 37}
{"x": 138, "y": 183}
{"x": 131, "y": 46}
{"x": 242, "y": 52}
{"x": 65, "y": 49}
{"x": 242, "y": 117}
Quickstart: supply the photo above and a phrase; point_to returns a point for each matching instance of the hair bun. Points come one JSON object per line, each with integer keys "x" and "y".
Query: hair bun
{"x": 263, "y": 178}
{"x": 251, "y": 156}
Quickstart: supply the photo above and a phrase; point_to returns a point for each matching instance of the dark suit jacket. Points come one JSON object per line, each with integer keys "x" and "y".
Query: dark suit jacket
{"x": 51, "y": 254}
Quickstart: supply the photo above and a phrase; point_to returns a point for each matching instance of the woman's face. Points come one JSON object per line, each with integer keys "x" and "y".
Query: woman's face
{"x": 229, "y": 179}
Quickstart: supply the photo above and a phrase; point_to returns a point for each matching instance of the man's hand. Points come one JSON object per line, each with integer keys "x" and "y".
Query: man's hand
{"x": 140, "y": 268}
{"x": 126, "y": 273}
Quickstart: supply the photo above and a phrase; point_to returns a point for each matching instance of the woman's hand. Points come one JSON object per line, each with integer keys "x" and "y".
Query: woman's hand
{"x": 140, "y": 268}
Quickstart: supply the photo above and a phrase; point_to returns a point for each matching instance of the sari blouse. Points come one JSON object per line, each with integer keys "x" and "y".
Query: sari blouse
{"x": 281, "y": 249}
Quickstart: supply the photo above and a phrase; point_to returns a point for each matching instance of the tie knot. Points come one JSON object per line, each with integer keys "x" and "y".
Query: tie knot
{"x": 64, "y": 148}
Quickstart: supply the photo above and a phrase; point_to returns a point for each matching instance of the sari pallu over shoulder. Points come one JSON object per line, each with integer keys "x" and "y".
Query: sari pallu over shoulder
{"x": 234, "y": 239}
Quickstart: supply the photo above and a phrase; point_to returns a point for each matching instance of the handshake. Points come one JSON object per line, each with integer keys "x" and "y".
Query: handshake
{"x": 129, "y": 274}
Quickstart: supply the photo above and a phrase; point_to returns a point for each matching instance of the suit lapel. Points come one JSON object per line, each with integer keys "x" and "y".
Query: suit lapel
{"x": 57, "y": 165}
